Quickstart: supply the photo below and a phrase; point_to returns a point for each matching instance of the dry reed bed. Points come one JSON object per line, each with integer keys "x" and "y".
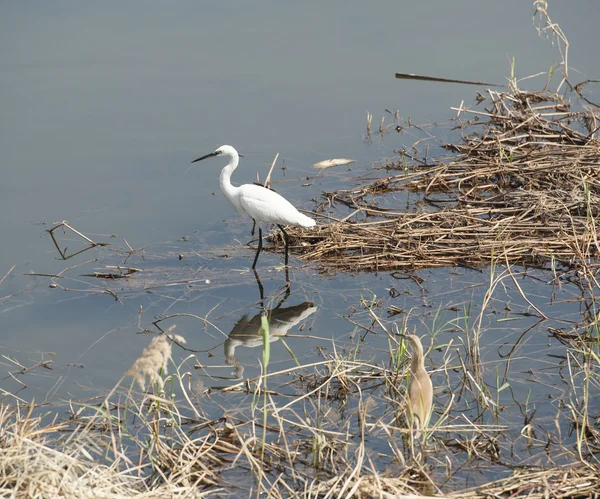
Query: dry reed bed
{"x": 308, "y": 436}
{"x": 524, "y": 183}
{"x": 575, "y": 481}
{"x": 179, "y": 460}
{"x": 34, "y": 464}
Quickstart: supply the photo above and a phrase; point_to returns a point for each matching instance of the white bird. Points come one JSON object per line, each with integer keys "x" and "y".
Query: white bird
{"x": 260, "y": 203}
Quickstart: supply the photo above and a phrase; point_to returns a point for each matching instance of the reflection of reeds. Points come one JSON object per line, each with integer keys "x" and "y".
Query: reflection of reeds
{"x": 154, "y": 359}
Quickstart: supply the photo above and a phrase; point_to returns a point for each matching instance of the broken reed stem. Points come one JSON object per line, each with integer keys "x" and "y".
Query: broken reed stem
{"x": 268, "y": 179}
{"x": 63, "y": 253}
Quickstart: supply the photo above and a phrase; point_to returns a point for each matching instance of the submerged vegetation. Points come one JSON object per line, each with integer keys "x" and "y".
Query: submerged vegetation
{"x": 518, "y": 195}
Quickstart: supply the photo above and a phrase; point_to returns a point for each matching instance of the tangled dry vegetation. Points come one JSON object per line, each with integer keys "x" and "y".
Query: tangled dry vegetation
{"x": 312, "y": 430}
{"x": 523, "y": 185}
{"x": 154, "y": 445}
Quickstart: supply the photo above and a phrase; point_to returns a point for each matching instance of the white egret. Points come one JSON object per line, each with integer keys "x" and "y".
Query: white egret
{"x": 260, "y": 203}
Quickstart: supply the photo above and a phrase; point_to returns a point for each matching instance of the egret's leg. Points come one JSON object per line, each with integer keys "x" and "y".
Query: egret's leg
{"x": 259, "y": 247}
{"x": 287, "y": 242}
{"x": 260, "y": 286}
{"x": 253, "y": 227}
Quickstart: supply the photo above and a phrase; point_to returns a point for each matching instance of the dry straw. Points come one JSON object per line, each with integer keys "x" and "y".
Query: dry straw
{"x": 524, "y": 184}
{"x": 34, "y": 464}
{"x": 154, "y": 359}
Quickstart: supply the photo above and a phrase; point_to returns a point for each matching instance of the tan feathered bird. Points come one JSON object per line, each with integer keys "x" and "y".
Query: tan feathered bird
{"x": 420, "y": 389}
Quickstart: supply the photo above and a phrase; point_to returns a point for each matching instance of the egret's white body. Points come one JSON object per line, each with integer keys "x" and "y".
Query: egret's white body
{"x": 260, "y": 203}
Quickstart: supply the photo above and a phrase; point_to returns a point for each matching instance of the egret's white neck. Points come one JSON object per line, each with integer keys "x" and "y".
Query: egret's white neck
{"x": 225, "y": 178}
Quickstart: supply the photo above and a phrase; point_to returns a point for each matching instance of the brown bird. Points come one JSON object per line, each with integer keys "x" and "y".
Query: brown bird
{"x": 420, "y": 389}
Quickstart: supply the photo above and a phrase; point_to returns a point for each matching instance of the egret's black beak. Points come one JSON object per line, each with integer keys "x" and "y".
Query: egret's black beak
{"x": 206, "y": 156}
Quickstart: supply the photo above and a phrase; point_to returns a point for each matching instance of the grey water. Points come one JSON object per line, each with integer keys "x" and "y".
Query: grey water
{"x": 105, "y": 104}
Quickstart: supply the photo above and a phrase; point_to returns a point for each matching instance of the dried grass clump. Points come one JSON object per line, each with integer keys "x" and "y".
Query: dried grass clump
{"x": 35, "y": 463}
{"x": 295, "y": 450}
{"x": 154, "y": 359}
{"x": 525, "y": 184}
{"x": 368, "y": 486}
{"x": 580, "y": 480}
{"x": 576, "y": 481}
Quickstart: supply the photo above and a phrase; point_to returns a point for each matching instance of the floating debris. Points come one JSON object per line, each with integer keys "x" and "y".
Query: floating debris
{"x": 330, "y": 163}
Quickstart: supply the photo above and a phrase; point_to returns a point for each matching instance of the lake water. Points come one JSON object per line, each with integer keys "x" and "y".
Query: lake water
{"x": 104, "y": 106}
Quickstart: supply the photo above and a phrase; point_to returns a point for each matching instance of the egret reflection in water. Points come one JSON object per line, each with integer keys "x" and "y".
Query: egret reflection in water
{"x": 247, "y": 331}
